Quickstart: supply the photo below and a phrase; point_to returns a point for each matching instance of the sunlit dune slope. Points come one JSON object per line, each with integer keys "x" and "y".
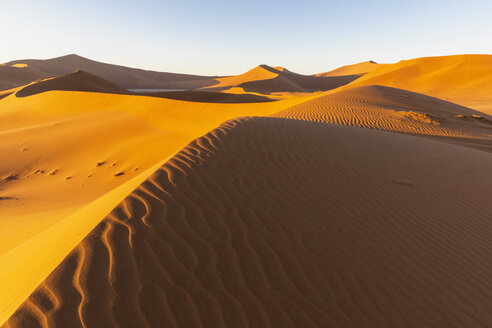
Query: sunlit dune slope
{"x": 385, "y": 108}
{"x": 269, "y": 222}
{"x": 464, "y": 79}
{"x": 76, "y": 81}
{"x": 267, "y": 79}
{"x": 355, "y": 69}
{"x": 124, "y": 76}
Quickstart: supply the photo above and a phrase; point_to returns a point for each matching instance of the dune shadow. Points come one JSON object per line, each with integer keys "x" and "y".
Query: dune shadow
{"x": 208, "y": 96}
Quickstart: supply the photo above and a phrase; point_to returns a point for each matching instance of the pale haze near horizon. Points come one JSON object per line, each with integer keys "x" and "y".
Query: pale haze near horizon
{"x": 221, "y": 38}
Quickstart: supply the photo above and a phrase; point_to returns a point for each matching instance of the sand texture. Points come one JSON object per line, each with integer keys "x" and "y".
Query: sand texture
{"x": 359, "y": 197}
{"x": 271, "y": 222}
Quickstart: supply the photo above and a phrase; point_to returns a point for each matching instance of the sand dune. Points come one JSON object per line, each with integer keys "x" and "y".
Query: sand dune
{"x": 76, "y": 146}
{"x": 397, "y": 110}
{"x": 67, "y": 150}
{"x": 76, "y": 81}
{"x": 126, "y": 77}
{"x": 354, "y": 69}
{"x": 86, "y": 82}
{"x": 366, "y": 205}
{"x": 464, "y": 79}
{"x": 12, "y": 76}
{"x": 269, "y": 222}
{"x": 267, "y": 79}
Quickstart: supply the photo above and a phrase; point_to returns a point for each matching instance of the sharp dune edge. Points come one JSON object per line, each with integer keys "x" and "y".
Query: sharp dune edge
{"x": 366, "y": 205}
{"x": 270, "y": 222}
{"x": 40, "y": 132}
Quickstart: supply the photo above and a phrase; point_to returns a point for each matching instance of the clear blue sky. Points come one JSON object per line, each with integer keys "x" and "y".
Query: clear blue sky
{"x": 228, "y": 37}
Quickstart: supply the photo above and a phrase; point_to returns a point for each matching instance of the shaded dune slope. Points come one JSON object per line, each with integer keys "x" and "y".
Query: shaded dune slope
{"x": 208, "y": 96}
{"x": 385, "y": 108}
{"x": 76, "y": 81}
{"x": 11, "y": 77}
{"x": 269, "y": 222}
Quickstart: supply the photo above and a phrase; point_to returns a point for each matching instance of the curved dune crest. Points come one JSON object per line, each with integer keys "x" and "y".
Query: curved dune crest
{"x": 463, "y": 79}
{"x": 269, "y": 222}
{"x": 77, "y": 146}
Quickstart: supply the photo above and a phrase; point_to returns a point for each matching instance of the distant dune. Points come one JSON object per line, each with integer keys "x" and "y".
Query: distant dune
{"x": 12, "y": 76}
{"x": 355, "y": 69}
{"x": 267, "y": 79}
{"x": 464, "y": 79}
{"x": 126, "y": 77}
{"x": 270, "y": 222}
{"x": 85, "y": 82}
{"x": 77, "y": 81}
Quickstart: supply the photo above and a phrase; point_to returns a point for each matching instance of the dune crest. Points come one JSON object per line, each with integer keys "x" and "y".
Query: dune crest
{"x": 267, "y": 79}
{"x": 77, "y": 147}
{"x": 354, "y": 69}
{"x": 366, "y": 233}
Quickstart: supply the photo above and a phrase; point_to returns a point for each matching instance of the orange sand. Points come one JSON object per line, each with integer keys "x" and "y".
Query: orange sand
{"x": 268, "y": 222}
{"x": 355, "y": 69}
{"x": 363, "y": 206}
{"x": 464, "y": 79}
